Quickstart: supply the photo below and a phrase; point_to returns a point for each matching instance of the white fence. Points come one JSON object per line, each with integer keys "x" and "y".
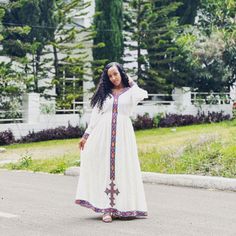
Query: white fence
{"x": 13, "y": 112}
{"x": 38, "y": 114}
{"x": 4, "y": 119}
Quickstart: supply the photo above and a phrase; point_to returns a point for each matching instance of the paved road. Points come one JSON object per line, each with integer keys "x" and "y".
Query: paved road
{"x": 43, "y": 205}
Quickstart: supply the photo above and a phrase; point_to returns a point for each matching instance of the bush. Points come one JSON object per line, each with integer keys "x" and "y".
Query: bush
{"x": 170, "y": 120}
{"x": 177, "y": 120}
{"x": 6, "y": 137}
{"x": 143, "y": 122}
{"x": 234, "y": 110}
{"x": 61, "y": 132}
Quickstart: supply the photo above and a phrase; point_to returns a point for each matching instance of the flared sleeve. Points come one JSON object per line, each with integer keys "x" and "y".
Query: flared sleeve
{"x": 137, "y": 93}
{"x": 95, "y": 115}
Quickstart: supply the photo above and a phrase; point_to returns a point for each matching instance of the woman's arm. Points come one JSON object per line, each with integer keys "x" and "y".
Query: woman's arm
{"x": 95, "y": 115}
{"x": 137, "y": 93}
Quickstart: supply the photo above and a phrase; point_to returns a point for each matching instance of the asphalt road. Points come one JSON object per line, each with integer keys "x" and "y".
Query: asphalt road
{"x": 37, "y": 204}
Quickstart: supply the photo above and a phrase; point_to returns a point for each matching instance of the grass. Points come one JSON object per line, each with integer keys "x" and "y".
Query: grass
{"x": 206, "y": 149}
{"x": 50, "y": 143}
{"x": 55, "y": 165}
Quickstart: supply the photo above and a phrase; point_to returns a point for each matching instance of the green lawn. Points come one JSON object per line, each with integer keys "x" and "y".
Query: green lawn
{"x": 208, "y": 149}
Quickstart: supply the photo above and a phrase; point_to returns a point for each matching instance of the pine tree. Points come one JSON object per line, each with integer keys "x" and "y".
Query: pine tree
{"x": 150, "y": 30}
{"x": 188, "y": 11}
{"x": 135, "y": 25}
{"x": 109, "y": 38}
{"x": 70, "y": 47}
{"x": 28, "y": 28}
{"x": 46, "y": 41}
{"x": 162, "y": 29}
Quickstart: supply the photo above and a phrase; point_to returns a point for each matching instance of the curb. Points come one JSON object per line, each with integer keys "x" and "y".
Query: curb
{"x": 194, "y": 181}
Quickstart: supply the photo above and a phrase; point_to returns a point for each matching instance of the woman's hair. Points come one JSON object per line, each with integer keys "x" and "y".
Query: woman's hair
{"x": 104, "y": 88}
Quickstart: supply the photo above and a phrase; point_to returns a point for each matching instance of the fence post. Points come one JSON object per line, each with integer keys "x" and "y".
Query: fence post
{"x": 182, "y": 95}
{"x": 31, "y": 107}
{"x": 233, "y": 92}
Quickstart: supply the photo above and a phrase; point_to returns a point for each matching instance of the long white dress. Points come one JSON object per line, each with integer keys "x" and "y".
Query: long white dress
{"x": 110, "y": 177}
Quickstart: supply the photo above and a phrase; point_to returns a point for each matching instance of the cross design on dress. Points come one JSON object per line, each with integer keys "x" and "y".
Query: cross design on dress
{"x": 112, "y": 191}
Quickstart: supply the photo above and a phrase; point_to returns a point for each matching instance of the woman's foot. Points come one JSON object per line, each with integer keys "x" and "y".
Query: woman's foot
{"x": 114, "y": 216}
{"x": 107, "y": 217}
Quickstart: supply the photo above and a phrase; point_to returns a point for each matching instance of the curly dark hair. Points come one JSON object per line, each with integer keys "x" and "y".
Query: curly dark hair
{"x": 104, "y": 88}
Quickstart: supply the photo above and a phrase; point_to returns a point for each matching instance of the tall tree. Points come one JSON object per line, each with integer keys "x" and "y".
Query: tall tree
{"x": 150, "y": 30}
{"x": 135, "y": 25}
{"x": 209, "y": 48}
{"x": 188, "y": 11}
{"x": 28, "y": 28}
{"x": 108, "y": 24}
{"x": 162, "y": 29}
{"x": 11, "y": 84}
{"x": 48, "y": 42}
{"x": 70, "y": 47}
{"x": 217, "y": 13}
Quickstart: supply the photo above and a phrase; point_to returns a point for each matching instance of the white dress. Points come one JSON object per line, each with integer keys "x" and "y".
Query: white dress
{"x": 110, "y": 177}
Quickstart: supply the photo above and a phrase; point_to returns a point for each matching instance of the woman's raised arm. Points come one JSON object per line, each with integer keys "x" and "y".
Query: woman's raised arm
{"x": 137, "y": 93}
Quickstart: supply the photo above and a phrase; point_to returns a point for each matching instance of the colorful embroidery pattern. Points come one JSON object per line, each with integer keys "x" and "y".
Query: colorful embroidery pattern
{"x": 113, "y": 137}
{"x": 112, "y": 190}
{"x": 85, "y": 136}
{"x": 111, "y": 210}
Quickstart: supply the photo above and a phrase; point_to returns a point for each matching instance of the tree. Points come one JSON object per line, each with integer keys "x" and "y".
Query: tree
{"x": 108, "y": 24}
{"x": 47, "y": 42}
{"x": 209, "y": 48}
{"x": 217, "y": 14}
{"x": 28, "y": 27}
{"x": 204, "y": 62}
{"x": 135, "y": 26}
{"x": 11, "y": 87}
{"x": 162, "y": 29}
{"x": 11, "y": 84}
{"x": 188, "y": 11}
{"x": 69, "y": 47}
{"x": 152, "y": 26}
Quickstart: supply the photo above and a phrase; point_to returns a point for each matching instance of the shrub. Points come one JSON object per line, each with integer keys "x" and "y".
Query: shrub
{"x": 143, "y": 122}
{"x": 6, "y": 137}
{"x": 170, "y": 120}
{"x": 234, "y": 110}
{"x": 61, "y": 132}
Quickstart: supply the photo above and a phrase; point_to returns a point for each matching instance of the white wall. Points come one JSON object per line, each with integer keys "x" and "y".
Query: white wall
{"x": 53, "y": 121}
{"x": 181, "y": 110}
{"x": 45, "y": 122}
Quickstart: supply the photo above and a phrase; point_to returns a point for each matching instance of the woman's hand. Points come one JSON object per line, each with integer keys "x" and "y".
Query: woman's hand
{"x": 82, "y": 143}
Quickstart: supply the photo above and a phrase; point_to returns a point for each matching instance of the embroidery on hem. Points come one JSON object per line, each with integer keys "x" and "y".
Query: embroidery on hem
{"x": 111, "y": 210}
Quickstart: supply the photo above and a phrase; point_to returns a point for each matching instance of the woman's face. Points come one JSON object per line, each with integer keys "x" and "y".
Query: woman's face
{"x": 114, "y": 76}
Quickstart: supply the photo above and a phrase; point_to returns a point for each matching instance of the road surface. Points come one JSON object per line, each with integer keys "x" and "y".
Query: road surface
{"x": 38, "y": 204}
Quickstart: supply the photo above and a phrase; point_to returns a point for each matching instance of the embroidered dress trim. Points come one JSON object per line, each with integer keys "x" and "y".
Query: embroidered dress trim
{"x": 85, "y": 135}
{"x": 111, "y": 189}
{"x": 111, "y": 210}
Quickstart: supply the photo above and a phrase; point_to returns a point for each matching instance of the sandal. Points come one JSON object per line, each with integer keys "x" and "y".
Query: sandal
{"x": 107, "y": 217}
{"x": 114, "y": 216}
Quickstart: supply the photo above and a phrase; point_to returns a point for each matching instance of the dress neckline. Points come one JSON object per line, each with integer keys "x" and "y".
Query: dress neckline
{"x": 122, "y": 91}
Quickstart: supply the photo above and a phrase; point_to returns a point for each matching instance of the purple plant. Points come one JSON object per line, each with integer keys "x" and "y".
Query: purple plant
{"x": 6, "y": 137}
{"x": 61, "y": 132}
{"x": 170, "y": 120}
{"x": 143, "y": 122}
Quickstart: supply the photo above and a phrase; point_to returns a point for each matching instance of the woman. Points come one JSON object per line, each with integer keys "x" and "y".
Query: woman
{"x": 110, "y": 178}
